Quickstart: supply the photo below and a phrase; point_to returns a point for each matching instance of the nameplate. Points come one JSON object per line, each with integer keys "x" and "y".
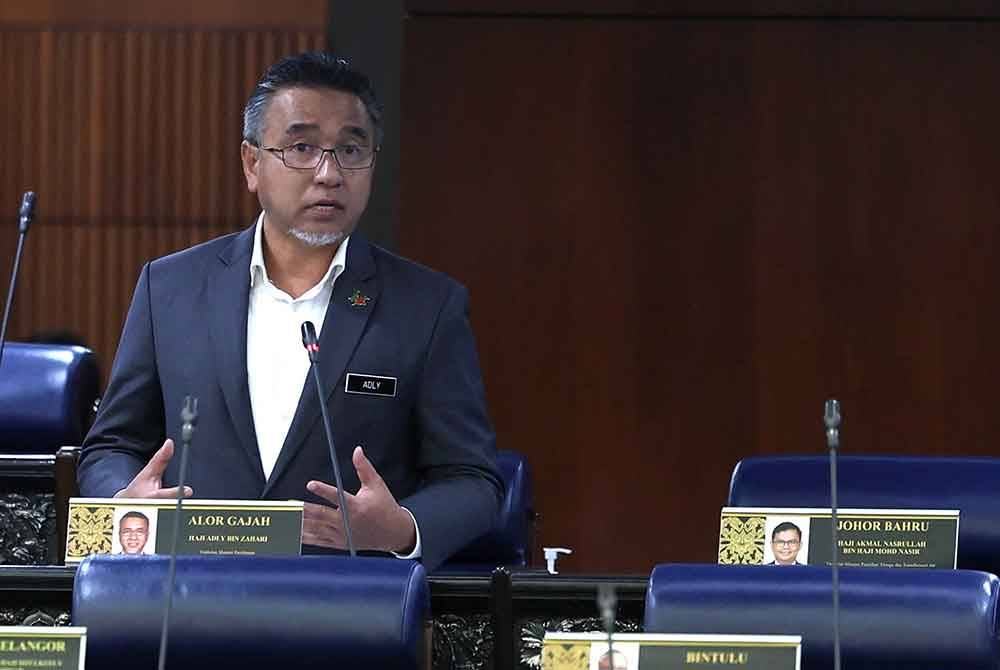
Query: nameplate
{"x": 207, "y": 527}
{"x": 370, "y": 385}
{"x": 866, "y": 538}
{"x": 34, "y": 647}
{"x": 652, "y": 651}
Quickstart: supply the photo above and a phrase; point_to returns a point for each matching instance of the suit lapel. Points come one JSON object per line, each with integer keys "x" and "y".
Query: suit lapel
{"x": 355, "y": 294}
{"x": 228, "y": 301}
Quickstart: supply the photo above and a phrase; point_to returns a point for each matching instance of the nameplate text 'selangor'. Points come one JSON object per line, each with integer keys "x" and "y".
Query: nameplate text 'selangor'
{"x": 866, "y": 538}
{"x": 207, "y": 527}
{"x": 651, "y": 651}
{"x": 33, "y": 647}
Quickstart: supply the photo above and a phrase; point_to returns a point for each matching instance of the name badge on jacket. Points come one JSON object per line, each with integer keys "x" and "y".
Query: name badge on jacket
{"x": 370, "y": 385}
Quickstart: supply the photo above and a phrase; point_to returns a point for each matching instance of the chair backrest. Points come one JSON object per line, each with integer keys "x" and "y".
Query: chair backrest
{"x": 889, "y": 618}
{"x": 511, "y": 540}
{"x": 47, "y": 394}
{"x": 254, "y": 612}
{"x": 894, "y": 482}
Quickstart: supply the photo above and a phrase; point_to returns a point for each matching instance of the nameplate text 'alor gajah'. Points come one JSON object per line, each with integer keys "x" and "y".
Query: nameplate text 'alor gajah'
{"x": 207, "y": 527}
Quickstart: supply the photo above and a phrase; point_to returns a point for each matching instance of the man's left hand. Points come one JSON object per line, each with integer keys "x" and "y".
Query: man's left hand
{"x": 377, "y": 521}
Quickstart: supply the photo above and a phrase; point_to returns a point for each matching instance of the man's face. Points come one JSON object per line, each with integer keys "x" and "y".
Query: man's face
{"x": 324, "y": 203}
{"x": 133, "y": 533}
{"x": 786, "y": 546}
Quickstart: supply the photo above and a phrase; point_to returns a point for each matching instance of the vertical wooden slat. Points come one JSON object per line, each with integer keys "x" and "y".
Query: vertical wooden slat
{"x": 25, "y": 159}
{"x": 215, "y": 154}
{"x": 164, "y": 140}
{"x": 12, "y": 54}
{"x": 84, "y": 94}
{"x": 175, "y": 70}
{"x": 130, "y": 179}
{"x": 199, "y": 149}
{"x": 126, "y": 175}
{"x": 88, "y": 248}
{"x": 245, "y": 73}
{"x": 115, "y": 189}
{"x": 49, "y": 157}
{"x": 6, "y": 167}
{"x": 143, "y": 226}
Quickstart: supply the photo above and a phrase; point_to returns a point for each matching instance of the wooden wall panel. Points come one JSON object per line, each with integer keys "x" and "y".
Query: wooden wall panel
{"x": 294, "y": 15}
{"x": 682, "y": 236}
{"x": 130, "y": 134}
{"x": 709, "y": 8}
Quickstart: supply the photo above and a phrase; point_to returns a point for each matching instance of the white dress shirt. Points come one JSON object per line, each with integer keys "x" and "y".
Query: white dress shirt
{"x": 277, "y": 363}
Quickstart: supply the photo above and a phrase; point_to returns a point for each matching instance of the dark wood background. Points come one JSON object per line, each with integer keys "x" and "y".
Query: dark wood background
{"x": 684, "y": 225}
{"x": 126, "y": 117}
{"x": 683, "y": 234}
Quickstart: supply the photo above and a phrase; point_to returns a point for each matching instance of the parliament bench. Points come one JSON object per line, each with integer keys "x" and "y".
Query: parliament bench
{"x": 255, "y": 612}
{"x": 48, "y": 394}
{"x": 887, "y": 482}
{"x": 903, "y": 619}
{"x": 47, "y": 399}
{"x": 511, "y": 540}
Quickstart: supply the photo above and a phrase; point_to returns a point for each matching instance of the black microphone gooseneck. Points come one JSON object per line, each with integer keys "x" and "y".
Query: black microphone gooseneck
{"x": 607, "y": 605}
{"x": 311, "y": 343}
{"x": 831, "y": 418}
{"x": 189, "y": 417}
{"x": 25, "y": 216}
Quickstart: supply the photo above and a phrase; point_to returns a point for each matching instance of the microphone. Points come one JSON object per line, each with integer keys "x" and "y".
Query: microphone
{"x": 189, "y": 417}
{"x": 25, "y": 215}
{"x": 27, "y": 211}
{"x": 831, "y": 419}
{"x": 311, "y": 343}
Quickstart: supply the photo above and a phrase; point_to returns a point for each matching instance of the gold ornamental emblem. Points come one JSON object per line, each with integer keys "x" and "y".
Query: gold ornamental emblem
{"x": 566, "y": 656}
{"x": 90, "y": 531}
{"x": 741, "y": 541}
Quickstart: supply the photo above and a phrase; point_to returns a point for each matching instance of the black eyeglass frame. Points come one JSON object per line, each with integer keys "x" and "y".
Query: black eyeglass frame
{"x": 280, "y": 153}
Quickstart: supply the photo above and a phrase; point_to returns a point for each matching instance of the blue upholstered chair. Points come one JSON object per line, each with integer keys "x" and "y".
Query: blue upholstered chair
{"x": 898, "y": 619}
{"x": 511, "y": 540}
{"x": 896, "y": 482}
{"x": 254, "y": 612}
{"x": 47, "y": 395}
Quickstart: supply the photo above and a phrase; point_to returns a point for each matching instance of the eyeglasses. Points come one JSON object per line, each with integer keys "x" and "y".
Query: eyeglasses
{"x": 303, "y": 156}
{"x": 128, "y": 532}
{"x": 785, "y": 543}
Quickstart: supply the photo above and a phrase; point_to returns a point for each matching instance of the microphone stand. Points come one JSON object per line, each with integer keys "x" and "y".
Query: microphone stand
{"x": 27, "y": 212}
{"x": 607, "y": 603}
{"x": 311, "y": 344}
{"x": 831, "y": 418}
{"x": 189, "y": 417}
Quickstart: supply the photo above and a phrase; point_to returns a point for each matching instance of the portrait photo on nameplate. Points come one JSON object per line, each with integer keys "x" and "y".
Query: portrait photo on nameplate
{"x": 130, "y": 526}
{"x": 879, "y": 538}
{"x": 134, "y": 530}
{"x": 655, "y": 651}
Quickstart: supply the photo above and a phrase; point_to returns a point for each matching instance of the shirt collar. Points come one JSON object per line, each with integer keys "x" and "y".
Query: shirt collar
{"x": 258, "y": 271}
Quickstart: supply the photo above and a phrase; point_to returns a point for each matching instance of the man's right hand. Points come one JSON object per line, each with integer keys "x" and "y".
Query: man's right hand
{"x": 149, "y": 482}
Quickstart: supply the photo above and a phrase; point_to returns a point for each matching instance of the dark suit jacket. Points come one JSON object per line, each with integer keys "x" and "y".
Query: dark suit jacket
{"x": 186, "y": 334}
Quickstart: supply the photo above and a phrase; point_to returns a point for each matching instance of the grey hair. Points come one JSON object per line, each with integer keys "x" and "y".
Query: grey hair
{"x": 316, "y": 69}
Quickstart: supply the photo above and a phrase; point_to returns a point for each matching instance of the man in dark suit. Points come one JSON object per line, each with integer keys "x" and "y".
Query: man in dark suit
{"x": 221, "y": 321}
